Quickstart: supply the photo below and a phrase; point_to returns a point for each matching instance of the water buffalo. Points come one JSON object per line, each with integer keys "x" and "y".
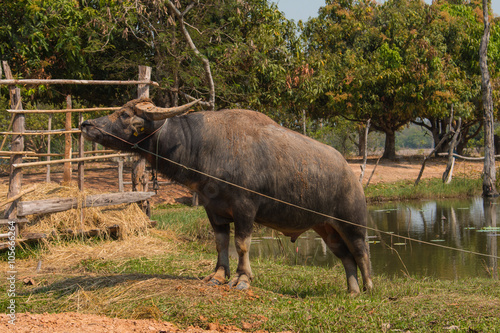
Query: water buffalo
{"x": 212, "y": 150}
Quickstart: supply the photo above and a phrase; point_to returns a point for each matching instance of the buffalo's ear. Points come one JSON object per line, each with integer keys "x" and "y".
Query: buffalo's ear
{"x": 152, "y": 112}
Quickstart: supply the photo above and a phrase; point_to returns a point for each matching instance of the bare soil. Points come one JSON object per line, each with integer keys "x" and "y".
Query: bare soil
{"x": 104, "y": 177}
{"x": 73, "y": 322}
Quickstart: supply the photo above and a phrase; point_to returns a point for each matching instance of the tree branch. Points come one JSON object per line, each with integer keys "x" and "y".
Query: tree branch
{"x": 206, "y": 62}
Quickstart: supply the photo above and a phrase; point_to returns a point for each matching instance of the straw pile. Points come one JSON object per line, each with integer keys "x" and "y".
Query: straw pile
{"x": 130, "y": 219}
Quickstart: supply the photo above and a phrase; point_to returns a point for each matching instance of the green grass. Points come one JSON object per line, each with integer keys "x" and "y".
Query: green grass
{"x": 427, "y": 188}
{"x": 190, "y": 222}
{"x": 295, "y": 298}
{"x": 283, "y": 297}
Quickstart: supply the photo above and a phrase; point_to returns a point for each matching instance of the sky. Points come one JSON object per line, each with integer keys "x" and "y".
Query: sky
{"x": 303, "y": 10}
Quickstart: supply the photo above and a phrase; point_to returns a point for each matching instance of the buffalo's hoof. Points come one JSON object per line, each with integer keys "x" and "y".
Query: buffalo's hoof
{"x": 241, "y": 282}
{"x": 217, "y": 278}
{"x": 214, "y": 282}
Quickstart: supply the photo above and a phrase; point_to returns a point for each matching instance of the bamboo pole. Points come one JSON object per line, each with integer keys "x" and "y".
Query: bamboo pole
{"x": 81, "y": 153}
{"x": 24, "y": 158}
{"x": 64, "y": 81}
{"x": 42, "y": 132}
{"x": 104, "y": 151}
{"x": 49, "y": 127}
{"x": 67, "y": 143}
{"x": 9, "y": 153}
{"x": 35, "y": 154}
{"x": 90, "y": 158}
{"x": 120, "y": 175}
{"x": 112, "y": 108}
{"x": 17, "y": 196}
{"x": 144, "y": 75}
{"x": 139, "y": 174}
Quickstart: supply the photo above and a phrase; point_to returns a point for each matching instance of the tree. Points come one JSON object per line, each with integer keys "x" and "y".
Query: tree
{"x": 383, "y": 62}
{"x": 249, "y": 43}
{"x": 459, "y": 26}
{"x": 489, "y": 176}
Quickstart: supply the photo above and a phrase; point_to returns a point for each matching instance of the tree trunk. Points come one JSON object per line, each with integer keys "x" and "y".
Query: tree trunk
{"x": 438, "y": 132}
{"x": 390, "y": 145}
{"x": 362, "y": 140}
{"x": 448, "y": 173}
{"x": 489, "y": 180}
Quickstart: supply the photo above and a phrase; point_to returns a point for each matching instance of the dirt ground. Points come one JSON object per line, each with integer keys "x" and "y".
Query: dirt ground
{"x": 104, "y": 178}
{"x": 73, "y": 322}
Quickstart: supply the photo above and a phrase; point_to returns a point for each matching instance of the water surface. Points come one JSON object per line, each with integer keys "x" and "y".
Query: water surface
{"x": 470, "y": 225}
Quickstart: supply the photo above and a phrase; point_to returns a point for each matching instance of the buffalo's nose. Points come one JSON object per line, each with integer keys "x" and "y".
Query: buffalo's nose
{"x": 84, "y": 124}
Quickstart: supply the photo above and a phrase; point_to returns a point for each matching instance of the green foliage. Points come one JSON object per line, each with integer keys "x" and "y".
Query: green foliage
{"x": 390, "y": 58}
{"x": 249, "y": 45}
{"x": 413, "y": 137}
{"x": 340, "y": 134}
{"x": 397, "y": 61}
{"x": 392, "y": 62}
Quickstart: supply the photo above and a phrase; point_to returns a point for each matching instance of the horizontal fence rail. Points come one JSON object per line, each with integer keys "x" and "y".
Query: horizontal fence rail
{"x": 42, "y": 132}
{"x": 64, "y": 81}
{"x": 66, "y": 160}
{"x": 112, "y": 108}
{"x": 34, "y": 153}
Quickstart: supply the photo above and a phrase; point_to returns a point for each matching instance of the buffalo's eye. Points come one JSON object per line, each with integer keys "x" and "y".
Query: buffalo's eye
{"x": 125, "y": 115}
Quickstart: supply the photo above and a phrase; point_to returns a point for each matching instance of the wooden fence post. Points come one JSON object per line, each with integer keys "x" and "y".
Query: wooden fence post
{"x": 49, "y": 125}
{"x": 17, "y": 144}
{"x": 120, "y": 174}
{"x": 144, "y": 74}
{"x": 67, "y": 143}
{"x": 139, "y": 174}
{"x": 81, "y": 153}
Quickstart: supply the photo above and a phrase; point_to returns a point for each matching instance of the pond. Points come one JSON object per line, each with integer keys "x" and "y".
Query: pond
{"x": 469, "y": 225}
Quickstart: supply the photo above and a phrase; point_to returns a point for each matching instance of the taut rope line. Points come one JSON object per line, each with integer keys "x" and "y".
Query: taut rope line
{"x": 135, "y": 146}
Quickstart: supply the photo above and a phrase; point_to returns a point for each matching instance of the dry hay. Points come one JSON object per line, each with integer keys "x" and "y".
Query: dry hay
{"x": 62, "y": 256}
{"x": 130, "y": 219}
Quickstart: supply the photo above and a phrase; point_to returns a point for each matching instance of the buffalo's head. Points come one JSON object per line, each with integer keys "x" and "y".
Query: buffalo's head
{"x": 132, "y": 123}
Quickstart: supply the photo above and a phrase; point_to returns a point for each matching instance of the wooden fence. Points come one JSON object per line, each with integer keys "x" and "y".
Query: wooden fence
{"x": 15, "y": 212}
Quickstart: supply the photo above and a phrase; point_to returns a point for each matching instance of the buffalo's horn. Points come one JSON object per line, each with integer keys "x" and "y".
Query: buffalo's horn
{"x": 153, "y": 112}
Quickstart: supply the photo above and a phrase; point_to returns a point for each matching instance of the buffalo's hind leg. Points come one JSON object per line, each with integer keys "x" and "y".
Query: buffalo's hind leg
{"x": 350, "y": 262}
{"x": 221, "y": 229}
{"x": 359, "y": 248}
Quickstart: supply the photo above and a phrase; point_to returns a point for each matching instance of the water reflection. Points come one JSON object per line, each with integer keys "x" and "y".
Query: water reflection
{"x": 465, "y": 224}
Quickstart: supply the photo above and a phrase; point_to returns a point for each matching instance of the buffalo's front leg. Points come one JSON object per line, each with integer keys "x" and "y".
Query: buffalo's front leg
{"x": 242, "y": 239}
{"x": 222, "y": 244}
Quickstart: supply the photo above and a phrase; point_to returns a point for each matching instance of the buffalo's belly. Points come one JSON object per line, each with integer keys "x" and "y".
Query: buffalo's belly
{"x": 289, "y": 219}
